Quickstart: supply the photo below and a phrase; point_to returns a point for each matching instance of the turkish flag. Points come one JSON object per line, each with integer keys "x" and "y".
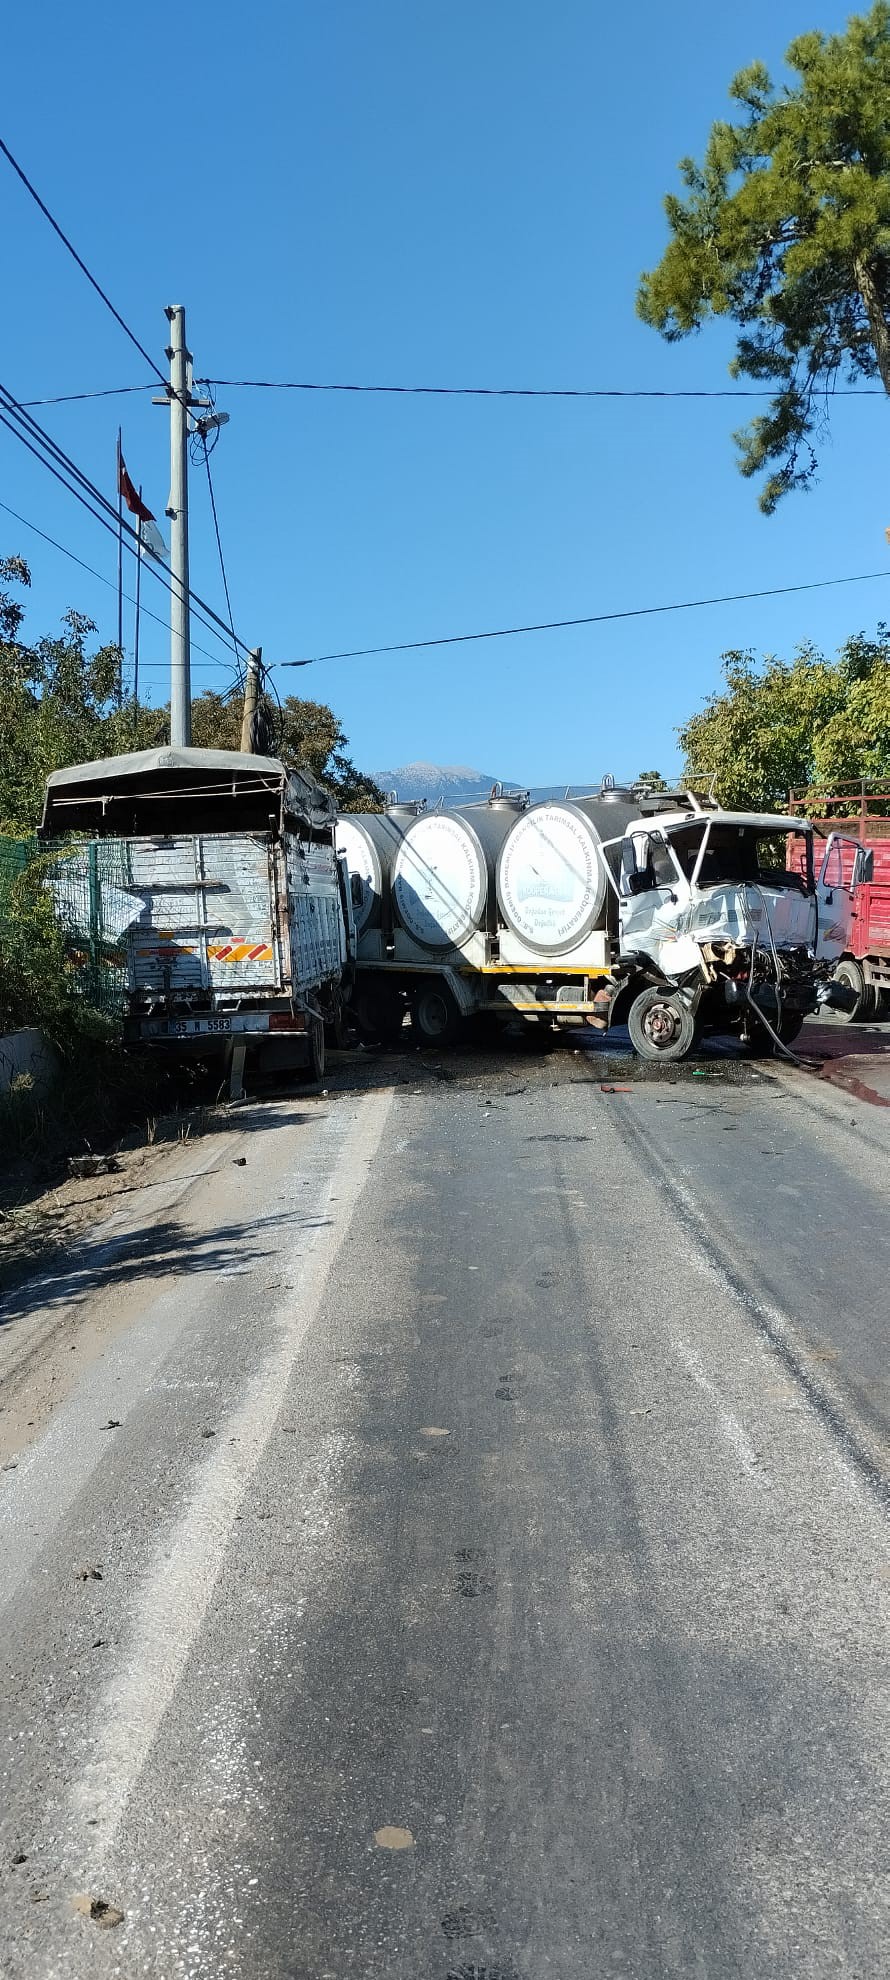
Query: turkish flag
{"x": 133, "y": 501}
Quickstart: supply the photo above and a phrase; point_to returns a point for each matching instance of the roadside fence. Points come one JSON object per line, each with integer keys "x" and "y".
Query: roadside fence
{"x": 62, "y": 914}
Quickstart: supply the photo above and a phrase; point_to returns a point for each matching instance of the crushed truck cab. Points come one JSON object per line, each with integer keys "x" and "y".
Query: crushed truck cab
{"x": 724, "y": 924}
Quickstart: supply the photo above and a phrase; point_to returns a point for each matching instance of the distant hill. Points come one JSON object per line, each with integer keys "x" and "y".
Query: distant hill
{"x": 453, "y": 783}
{"x": 456, "y": 784}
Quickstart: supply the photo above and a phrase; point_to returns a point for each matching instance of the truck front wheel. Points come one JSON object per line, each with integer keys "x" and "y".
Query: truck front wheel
{"x": 661, "y": 1026}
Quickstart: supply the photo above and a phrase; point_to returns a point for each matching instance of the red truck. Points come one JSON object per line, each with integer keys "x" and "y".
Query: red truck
{"x": 862, "y": 808}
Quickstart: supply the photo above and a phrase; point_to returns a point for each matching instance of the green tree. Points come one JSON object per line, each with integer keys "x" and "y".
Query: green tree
{"x": 58, "y": 704}
{"x": 304, "y": 734}
{"x": 792, "y": 722}
{"x": 786, "y": 230}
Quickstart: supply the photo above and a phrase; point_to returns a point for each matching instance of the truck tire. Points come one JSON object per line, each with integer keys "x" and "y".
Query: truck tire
{"x": 661, "y": 1026}
{"x": 434, "y": 1014}
{"x": 848, "y": 971}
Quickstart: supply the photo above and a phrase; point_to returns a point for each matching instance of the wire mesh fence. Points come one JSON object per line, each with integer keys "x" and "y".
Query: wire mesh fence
{"x": 62, "y": 914}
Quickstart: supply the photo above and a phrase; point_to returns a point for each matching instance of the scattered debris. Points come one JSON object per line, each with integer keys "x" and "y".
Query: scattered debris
{"x": 393, "y": 1838}
{"x": 93, "y": 1165}
{"x": 208, "y": 1433}
{"x": 12, "y": 1464}
{"x": 114, "y": 1423}
{"x": 99, "y": 1643}
{"x": 98, "y": 1909}
{"x": 91, "y": 1572}
{"x": 18, "y": 1858}
{"x": 239, "y": 1162}
{"x": 616, "y": 1089}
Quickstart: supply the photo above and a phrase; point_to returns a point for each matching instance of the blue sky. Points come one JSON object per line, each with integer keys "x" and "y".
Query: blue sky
{"x": 381, "y": 191}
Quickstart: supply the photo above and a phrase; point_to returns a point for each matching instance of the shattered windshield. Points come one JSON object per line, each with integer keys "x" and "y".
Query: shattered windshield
{"x": 742, "y": 856}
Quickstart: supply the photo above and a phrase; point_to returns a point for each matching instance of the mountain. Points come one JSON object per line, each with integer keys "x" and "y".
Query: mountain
{"x": 453, "y": 783}
{"x": 456, "y": 784}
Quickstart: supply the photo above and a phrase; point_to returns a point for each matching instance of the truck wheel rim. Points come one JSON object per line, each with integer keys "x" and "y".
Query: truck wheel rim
{"x": 435, "y": 1014}
{"x": 661, "y": 1024}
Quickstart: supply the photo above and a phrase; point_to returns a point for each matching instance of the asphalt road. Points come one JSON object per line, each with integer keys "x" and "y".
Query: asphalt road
{"x": 446, "y": 1540}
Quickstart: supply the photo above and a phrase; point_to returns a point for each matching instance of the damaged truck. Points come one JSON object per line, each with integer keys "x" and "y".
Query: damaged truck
{"x": 664, "y": 912}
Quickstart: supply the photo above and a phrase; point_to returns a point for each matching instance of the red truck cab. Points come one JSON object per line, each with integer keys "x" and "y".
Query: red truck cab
{"x": 860, "y": 807}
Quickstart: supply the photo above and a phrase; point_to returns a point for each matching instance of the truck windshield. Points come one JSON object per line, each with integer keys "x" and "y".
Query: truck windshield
{"x": 742, "y": 856}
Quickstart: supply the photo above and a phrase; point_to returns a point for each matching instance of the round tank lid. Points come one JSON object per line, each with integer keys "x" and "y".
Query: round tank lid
{"x": 612, "y": 793}
{"x": 503, "y": 800}
{"x": 397, "y": 807}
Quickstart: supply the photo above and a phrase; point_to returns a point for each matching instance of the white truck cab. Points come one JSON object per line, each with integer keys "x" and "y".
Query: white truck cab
{"x": 729, "y": 918}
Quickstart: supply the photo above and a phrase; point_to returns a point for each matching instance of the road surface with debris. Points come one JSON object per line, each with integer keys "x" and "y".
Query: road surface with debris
{"x": 444, "y": 1535}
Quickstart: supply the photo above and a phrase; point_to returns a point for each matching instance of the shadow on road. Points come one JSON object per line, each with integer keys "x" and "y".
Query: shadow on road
{"x": 158, "y": 1250}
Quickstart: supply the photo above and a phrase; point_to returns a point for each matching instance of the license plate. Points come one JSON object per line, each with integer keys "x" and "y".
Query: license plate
{"x": 188, "y": 1027}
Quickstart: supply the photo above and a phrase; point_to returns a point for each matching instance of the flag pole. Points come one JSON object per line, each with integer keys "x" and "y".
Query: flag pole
{"x": 120, "y": 576}
{"x": 136, "y": 628}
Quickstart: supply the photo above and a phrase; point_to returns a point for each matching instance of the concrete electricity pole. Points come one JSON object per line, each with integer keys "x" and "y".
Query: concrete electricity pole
{"x": 178, "y": 511}
{"x": 181, "y": 403}
{"x": 251, "y": 697}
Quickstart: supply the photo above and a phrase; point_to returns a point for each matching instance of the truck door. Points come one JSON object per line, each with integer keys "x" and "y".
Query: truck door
{"x": 652, "y": 899}
{"x": 842, "y": 868}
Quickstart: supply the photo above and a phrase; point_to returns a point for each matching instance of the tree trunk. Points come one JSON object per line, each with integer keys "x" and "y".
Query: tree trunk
{"x": 871, "y": 281}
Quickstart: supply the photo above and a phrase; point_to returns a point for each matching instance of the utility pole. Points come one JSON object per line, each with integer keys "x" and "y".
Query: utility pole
{"x": 178, "y": 511}
{"x": 251, "y": 697}
{"x": 181, "y": 403}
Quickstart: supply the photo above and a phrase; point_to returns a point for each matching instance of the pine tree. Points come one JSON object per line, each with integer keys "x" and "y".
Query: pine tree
{"x": 786, "y": 230}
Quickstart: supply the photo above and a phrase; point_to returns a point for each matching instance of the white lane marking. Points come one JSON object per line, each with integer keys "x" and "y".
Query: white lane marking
{"x": 177, "y": 1591}
{"x": 729, "y": 1424}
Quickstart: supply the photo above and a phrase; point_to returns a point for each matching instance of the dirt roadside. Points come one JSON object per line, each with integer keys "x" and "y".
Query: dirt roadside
{"x": 97, "y": 1250}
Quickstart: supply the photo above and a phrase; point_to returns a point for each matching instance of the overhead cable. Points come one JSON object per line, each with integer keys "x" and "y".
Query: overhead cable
{"x": 82, "y": 264}
{"x": 521, "y": 391}
{"x": 130, "y": 539}
{"x": 592, "y": 619}
{"x": 27, "y": 426}
{"x": 213, "y": 659}
{"x": 222, "y": 561}
{"x": 462, "y": 391}
{"x": 75, "y": 398}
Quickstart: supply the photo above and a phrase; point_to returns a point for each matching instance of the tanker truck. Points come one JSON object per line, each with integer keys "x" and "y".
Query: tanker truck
{"x": 661, "y": 911}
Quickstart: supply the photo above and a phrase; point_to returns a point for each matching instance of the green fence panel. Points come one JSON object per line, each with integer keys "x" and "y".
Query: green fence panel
{"x": 86, "y": 885}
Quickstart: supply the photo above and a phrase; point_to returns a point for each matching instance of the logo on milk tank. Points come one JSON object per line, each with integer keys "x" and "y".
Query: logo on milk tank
{"x": 550, "y": 879}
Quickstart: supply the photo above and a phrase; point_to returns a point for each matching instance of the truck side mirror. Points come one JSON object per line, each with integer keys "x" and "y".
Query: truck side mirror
{"x": 865, "y": 868}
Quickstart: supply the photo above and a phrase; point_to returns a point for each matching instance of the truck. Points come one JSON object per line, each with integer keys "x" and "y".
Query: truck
{"x": 214, "y": 878}
{"x": 862, "y": 805}
{"x": 662, "y": 911}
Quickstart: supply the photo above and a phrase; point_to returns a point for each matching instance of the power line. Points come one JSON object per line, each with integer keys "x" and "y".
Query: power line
{"x": 81, "y": 263}
{"x": 459, "y": 391}
{"x": 222, "y": 564}
{"x": 109, "y": 518}
{"x": 213, "y": 660}
{"x": 74, "y": 398}
{"x": 593, "y": 619}
{"x": 518, "y": 391}
{"x": 130, "y": 538}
